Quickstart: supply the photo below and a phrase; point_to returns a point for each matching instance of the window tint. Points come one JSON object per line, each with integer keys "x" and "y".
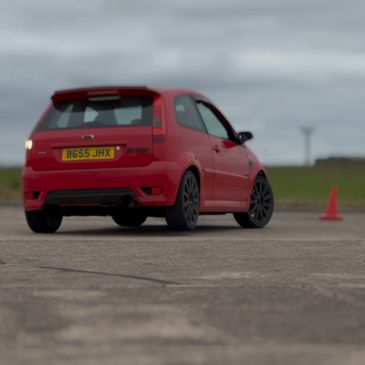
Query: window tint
{"x": 187, "y": 114}
{"x": 90, "y": 115}
{"x": 120, "y": 112}
{"x": 128, "y": 114}
{"x": 212, "y": 123}
{"x": 65, "y": 117}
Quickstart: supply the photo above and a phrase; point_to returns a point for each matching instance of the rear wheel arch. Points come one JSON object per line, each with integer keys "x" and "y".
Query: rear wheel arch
{"x": 188, "y": 162}
{"x": 183, "y": 215}
{"x": 196, "y": 172}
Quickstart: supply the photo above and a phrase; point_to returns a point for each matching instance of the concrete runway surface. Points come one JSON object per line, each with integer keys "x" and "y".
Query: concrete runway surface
{"x": 94, "y": 293}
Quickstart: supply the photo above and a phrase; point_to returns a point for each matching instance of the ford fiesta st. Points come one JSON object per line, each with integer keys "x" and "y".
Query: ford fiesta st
{"x": 135, "y": 152}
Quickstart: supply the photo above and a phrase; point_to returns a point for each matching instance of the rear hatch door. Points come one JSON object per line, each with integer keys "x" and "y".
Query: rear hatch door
{"x": 98, "y": 128}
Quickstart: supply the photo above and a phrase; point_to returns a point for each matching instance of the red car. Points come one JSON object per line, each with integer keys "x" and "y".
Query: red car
{"x": 135, "y": 152}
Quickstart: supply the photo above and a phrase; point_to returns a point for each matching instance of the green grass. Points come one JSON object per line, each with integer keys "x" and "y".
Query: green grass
{"x": 10, "y": 185}
{"x": 310, "y": 186}
{"x": 294, "y": 187}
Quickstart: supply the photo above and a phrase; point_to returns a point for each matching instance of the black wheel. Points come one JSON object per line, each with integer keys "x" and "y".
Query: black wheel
{"x": 261, "y": 208}
{"x": 43, "y": 222}
{"x": 129, "y": 218}
{"x": 184, "y": 214}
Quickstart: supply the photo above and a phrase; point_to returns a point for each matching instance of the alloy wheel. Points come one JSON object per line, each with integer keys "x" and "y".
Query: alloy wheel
{"x": 191, "y": 199}
{"x": 261, "y": 202}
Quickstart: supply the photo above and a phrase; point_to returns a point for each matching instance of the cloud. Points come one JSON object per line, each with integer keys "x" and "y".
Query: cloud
{"x": 271, "y": 66}
{"x": 303, "y": 65}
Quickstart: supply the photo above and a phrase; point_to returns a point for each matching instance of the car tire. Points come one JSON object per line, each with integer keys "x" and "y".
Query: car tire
{"x": 43, "y": 222}
{"x": 129, "y": 218}
{"x": 261, "y": 206}
{"x": 183, "y": 216}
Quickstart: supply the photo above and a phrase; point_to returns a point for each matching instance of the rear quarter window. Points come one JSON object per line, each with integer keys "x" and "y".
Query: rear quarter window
{"x": 94, "y": 113}
{"x": 187, "y": 114}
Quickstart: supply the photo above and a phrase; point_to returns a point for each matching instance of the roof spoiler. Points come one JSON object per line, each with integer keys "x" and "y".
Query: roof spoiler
{"x": 87, "y": 92}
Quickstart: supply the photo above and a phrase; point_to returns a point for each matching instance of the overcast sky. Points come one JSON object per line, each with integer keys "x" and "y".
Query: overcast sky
{"x": 272, "y": 66}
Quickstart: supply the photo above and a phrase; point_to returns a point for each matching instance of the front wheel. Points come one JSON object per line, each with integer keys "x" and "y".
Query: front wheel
{"x": 43, "y": 222}
{"x": 261, "y": 208}
{"x": 184, "y": 214}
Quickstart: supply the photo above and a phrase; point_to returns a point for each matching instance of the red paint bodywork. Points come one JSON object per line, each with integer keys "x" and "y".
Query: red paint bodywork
{"x": 226, "y": 169}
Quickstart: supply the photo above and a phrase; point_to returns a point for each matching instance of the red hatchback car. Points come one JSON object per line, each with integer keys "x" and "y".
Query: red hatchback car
{"x": 134, "y": 152}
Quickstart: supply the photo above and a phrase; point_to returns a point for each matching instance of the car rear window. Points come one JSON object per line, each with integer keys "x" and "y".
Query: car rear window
{"x": 99, "y": 112}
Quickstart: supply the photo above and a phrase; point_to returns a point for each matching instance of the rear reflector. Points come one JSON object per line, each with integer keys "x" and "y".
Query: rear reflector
{"x": 157, "y": 190}
{"x": 32, "y": 195}
{"x": 152, "y": 190}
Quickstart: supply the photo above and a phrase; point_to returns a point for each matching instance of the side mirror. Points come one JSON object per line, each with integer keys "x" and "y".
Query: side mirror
{"x": 242, "y": 137}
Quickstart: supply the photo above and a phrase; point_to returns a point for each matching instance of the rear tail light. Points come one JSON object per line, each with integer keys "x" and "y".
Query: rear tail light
{"x": 28, "y": 144}
{"x": 158, "y": 120}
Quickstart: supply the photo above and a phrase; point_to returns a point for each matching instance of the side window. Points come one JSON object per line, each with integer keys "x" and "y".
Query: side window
{"x": 212, "y": 123}
{"x": 186, "y": 113}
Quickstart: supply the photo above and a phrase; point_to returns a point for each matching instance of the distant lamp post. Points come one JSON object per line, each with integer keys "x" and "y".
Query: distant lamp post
{"x": 307, "y": 132}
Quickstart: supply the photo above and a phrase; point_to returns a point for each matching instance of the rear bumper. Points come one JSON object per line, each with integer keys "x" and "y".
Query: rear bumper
{"x": 102, "y": 186}
{"x": 100, "y": 197}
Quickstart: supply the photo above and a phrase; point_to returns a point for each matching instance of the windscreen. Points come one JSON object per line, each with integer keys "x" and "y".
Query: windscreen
{"x": 99, "y": 112}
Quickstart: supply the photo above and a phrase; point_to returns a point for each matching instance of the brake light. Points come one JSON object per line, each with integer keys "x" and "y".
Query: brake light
{"x": 158, "y": 120}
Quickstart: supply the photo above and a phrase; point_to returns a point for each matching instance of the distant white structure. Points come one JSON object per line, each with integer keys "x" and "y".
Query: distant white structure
{"x": 307, "y": 131}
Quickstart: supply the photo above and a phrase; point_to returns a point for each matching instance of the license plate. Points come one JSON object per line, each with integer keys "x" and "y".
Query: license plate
{"x": 88, "y": 153}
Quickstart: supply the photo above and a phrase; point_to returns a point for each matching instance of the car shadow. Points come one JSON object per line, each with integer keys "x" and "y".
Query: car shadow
{"x": 144, "y": 231}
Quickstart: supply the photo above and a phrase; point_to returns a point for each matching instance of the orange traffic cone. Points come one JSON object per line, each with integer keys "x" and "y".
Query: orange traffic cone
{"x": 330, "y": 213}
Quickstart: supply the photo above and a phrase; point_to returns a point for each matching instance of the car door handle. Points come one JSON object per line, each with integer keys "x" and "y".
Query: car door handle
{"x": 216, "y": 148}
